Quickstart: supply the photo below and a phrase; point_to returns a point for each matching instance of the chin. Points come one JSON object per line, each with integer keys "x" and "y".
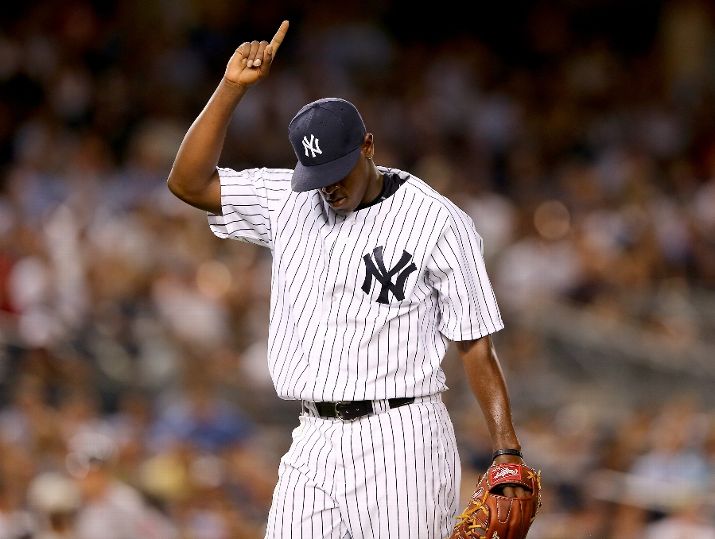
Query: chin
{"x": 345, "y": 207}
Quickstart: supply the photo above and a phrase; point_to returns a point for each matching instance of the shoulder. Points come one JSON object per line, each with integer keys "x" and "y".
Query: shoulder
{"x": 449, "y": 214}
{"x": 278, "y": 178}
{"x": 270, "y": 186}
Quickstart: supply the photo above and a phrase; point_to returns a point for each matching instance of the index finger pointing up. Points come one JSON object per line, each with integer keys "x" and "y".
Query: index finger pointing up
{"x": 278, "y": 38}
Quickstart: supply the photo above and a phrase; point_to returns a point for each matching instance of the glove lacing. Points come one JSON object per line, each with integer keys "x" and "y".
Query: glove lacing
{"x": 469, "y": 516}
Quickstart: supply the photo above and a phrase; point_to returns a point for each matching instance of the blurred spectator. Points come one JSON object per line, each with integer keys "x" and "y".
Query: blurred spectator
{"x": 55, "y": 499}
{"x": 203, "y": 420}
{"x": 693, "y": 521}
{"x": 110, "y": 508}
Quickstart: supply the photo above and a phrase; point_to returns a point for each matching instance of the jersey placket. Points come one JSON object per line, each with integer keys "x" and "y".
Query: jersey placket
{"x": 325, "y": 281}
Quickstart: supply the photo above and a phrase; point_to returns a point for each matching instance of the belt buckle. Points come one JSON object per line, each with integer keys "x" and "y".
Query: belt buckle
{"x": 342, "y": 415}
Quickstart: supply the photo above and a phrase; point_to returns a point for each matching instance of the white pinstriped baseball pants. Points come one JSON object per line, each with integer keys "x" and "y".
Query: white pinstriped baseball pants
{"x": 393, "y": 474}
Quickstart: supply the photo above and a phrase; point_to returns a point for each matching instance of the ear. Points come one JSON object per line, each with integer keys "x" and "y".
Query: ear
{"x": 368, "y": 146}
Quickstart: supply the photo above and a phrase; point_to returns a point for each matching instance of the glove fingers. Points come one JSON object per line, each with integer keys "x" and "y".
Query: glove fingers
{"x": 503, "y": 507}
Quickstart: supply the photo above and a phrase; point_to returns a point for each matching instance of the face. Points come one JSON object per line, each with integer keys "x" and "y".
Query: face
{"x": 359, "y": 186}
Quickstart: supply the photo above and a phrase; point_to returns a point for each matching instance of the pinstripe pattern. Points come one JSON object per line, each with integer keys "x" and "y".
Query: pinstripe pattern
{"x": 340, "y": 330}
{"x": 328, "y": 339}
{"x": 390, "y": 475}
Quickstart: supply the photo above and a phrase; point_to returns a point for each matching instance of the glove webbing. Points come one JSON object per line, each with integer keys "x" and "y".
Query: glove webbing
{"x": 469, "y": 514}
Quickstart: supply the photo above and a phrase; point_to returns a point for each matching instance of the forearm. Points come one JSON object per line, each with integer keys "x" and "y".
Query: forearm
{"x": 197, "y": 158}
{"x": 486, "y": 380}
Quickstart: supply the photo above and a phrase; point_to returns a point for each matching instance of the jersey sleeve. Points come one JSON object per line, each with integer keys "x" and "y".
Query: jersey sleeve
{"x": 245, "y": 208}
{"x": 466, "y": 300}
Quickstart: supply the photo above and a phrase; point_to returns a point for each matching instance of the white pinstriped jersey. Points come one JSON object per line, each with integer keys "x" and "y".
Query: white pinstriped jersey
{"x": 362, "y": 305}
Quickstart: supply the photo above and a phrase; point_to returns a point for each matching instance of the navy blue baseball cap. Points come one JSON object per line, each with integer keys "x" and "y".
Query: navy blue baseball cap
{"x": 326, "y": 136}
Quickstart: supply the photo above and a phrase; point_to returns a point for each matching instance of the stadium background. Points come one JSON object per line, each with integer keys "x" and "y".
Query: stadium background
{"x": 578, "y": 134}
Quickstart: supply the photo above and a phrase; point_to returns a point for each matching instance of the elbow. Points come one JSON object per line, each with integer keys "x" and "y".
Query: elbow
{"x": 204, "y": 196}
{"x": 173, "y": 184}
{"x": 176, "y": 186}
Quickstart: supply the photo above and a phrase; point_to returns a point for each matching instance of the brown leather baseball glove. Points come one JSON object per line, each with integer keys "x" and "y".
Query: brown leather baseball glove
{"x": 490, "y": 515}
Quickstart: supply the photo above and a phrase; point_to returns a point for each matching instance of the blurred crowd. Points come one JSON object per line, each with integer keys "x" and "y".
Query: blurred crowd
{"x": 134, "y": 395}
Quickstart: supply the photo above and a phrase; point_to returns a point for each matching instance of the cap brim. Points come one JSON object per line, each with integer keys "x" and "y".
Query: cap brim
{"x": 309, "y": 178}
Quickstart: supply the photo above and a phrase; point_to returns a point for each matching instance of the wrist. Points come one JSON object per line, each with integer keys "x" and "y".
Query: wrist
{"x": 235, "y": 86}
{"x": 507, "y": 451}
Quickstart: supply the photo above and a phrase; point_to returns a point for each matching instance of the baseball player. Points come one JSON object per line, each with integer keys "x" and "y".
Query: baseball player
{"x": 373, "y": 274}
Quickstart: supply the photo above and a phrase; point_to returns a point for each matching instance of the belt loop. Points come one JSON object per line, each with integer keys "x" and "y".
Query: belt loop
{"x": 381, "y": 406}
{"x": 309, "y": 408}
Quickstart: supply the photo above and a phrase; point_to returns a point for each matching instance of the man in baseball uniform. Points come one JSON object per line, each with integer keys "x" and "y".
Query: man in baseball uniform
{"x": 373, "y": 274}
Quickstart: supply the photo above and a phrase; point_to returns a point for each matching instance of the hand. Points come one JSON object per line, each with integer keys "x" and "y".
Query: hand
{"x": 517, "y": 491}
{"x": 252, "y": 60}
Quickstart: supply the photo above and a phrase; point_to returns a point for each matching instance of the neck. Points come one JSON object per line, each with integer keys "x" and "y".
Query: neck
{"x": 375, "y": 185}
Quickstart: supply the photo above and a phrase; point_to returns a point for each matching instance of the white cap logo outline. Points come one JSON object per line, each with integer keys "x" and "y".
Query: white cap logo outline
{"x": 311, "y": 146}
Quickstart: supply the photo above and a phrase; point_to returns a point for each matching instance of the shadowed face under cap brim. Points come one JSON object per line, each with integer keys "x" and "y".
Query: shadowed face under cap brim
{"x": 317, "y": 176}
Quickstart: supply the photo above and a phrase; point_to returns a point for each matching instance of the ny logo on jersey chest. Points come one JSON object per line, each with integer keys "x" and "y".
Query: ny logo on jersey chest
{"x": 375, "y": 268}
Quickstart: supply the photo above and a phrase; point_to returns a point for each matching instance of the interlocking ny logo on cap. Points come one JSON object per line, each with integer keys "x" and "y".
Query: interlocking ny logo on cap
{"x": 311, "y": 145}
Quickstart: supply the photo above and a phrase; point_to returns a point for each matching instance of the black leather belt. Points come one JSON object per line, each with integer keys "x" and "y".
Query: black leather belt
{"x": 349, "y": 410}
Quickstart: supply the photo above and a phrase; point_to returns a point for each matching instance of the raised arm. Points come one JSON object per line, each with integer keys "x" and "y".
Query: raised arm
{"x": 193, "y": 177}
